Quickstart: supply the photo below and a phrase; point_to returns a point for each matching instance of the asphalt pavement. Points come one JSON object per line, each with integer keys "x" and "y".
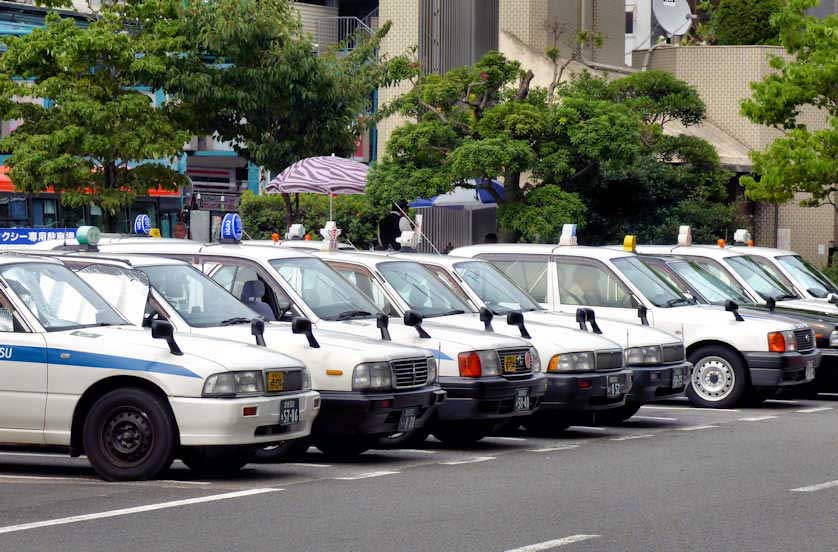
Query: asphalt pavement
{"x": 674, "y": 477}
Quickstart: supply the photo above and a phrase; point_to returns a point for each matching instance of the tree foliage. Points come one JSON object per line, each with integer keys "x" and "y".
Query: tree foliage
{"x": 744, "y": 22}
{"x": 802, "y": 160}
{"x": 87, "y": 128}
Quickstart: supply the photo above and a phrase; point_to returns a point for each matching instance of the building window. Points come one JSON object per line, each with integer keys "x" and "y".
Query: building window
{"x": 44, "y": 213}
{"x": 630, "y": 22}
{"x": 13, "y": 211}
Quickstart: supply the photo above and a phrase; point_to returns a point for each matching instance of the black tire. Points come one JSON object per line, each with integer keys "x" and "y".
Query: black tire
{"x": 719, "y": 378}
{"x": 129, "y": 434}
{"x": 216, "y": 461}
{"x": 343, "y": 447}
{"x": 411, "y": 439}
{"x": 462, "y": 433}
{"x": 544, "y": 425}
{"x": 294, "y": 448}
{"x": 616, "y": 416}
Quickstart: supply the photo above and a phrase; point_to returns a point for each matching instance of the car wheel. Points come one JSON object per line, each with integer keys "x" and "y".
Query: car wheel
{"x": 216, "y": 460}
{"x": 545, "y": 425}
{"x": 718, "y": 380}
{"x": 616, "y": 416}
{"x": 343, "y": 447}
{"x": 462, "y": 433}
{"x": 129, "y": 434}
{"x": 281, "y": 451}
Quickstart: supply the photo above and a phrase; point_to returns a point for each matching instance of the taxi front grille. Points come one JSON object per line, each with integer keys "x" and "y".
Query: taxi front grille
{"x": 609, "y": 360}
{"x": 673, "y": 353}
{"x": 805, "y": 340}
{"x": 514, "y": 361}
{"x": 291, "y": 381}
{"x": 411, "y": 372}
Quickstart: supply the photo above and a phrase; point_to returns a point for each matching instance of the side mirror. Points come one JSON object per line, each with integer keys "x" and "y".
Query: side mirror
{"x": 414, "y": 320}
{"x": 486, "y": 317}
{"x": 300, "y": 325}
{"x": 643, "y": 315}
{"x": 731, "y": 306}
{"x": 257, "y": 330}
{"x": 590, "y": 316}
{"x": 383, "y": 323}
{"x": 516, "y": 318}
{"x": 581, "y": 319}
{"x": 771, "y": 303}
{"x": 832, "y": 298}
{"x": 817, "y": 292}
{"x": 162, "y": 329}
{"x": 7, "y": 321}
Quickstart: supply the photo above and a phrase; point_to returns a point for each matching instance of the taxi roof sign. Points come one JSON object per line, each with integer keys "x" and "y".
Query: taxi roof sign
{"x": 142, "y": 225}
{"x": 88, "y": 235}
{"x": 741, "y": 236}
{"x": 685, "y": 236}
{"x": 231, "y": 228}
{"x": 630, "y": 244}
{"x": 568, "y": 236}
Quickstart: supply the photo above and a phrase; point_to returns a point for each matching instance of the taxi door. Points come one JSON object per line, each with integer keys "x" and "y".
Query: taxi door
{"x": 23, "y": 377}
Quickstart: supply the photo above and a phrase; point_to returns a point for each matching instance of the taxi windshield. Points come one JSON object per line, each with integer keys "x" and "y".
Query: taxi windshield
{"x": 199, "y": 300}
{"x": 326, "y": 292}
{"x": 58, "y": 298}
{"x": 660, "y": 291}
{"x": 494, "y": 288}
{"x": 708, "y": 285}
{"x": 809, "y": 277}
{"x": 421, "y": 290}
{"x": 765, "y": 283}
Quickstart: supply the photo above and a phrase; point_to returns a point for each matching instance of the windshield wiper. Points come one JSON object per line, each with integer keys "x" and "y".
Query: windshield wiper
{"x": 785, "y": 296}
{"x": 346, "y": 315}
{"x": 678, "y": 301}
{"x": 451, "y": 312}
{"x": 235, "y": 320}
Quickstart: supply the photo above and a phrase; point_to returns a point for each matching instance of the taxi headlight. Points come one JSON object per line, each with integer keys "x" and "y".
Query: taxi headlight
{"x": 643, "y": 355}
{"x": 833, "y": 338}
{"x": 306, "y": 380}
{"x": 372, "y": 376}
{"x": 432, "y": 371}
{"x": 781, "y": 342}
{"x": 535, "y": 360}
{"x": 474, "y": 364}
{"x": 230, "y": 384}
{"x": 572, "y": 362}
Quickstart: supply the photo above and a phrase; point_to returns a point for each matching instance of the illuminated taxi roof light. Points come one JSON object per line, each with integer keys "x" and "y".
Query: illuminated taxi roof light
{"x": 568, "y": 236}
{"x": 741, "y": 236}
{"x": 721, "y": 243}
{"x": 685, "y": 236}
{"x": 88, "y": 235}
{"x": 630, "y": 244}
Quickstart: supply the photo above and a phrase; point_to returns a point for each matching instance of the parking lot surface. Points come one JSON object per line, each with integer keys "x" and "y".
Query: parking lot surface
{"x": 674, "y": 477}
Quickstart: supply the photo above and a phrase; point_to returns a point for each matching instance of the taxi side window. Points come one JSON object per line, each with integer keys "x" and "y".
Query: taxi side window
{"x": 225, "y": 276}
{"x": 449, "y": 282}
{"x": 528, "y": 275}
{"x": 363, "y": 280}
{"x": 234, "y": 278}
{"x": 590, "y": 284}
{"x": 9, "y": 318}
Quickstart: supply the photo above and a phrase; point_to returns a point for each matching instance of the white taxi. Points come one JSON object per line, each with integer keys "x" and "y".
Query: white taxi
{"x": 734, "y": 357}
{"x": 76, "y": 374}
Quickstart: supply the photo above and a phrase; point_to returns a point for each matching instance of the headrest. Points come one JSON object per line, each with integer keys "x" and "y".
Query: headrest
{"x": 253, "y": 290}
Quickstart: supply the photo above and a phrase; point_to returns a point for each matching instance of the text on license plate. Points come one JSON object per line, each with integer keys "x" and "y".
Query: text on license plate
{"x": 522, "y": 399}
{"x": 276, "y": 382}
{"x": 407, "y": 421}
{"x": 289, "y": 411}
{"x": 510, "y": 364}
{"x": 810, "y": 369}
{"x": 616, "y": 386}
{"x": 677, "y": 379}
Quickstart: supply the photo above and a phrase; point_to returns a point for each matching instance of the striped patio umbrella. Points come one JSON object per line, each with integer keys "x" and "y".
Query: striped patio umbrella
{"x": 321, "y": 175}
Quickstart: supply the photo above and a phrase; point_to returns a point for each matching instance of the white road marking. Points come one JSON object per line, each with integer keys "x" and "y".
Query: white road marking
{"x": 419, "y": 451}
{"x": 757, "y": 418}
{"x": 813, "y": 410}
{"x": 690, "y": 408}
{"x": 630, "y": 437}
{"x": 134, "y": 510}
{"x": 307, "y": 465}
{"x": 367, "y": 475}
{"x": 818, "y": 487}
{"x": 509, "y": 438}
{"x": 594, "y": 428}
{"x": 475, "y": 460}
{"x": 40, "y": 455}
{"x": 783, "y": 401}
{"x": 829, "y": 394}
{"x": 653, "y": 418}
{"x": 548, "y": 545}
{"x": 54, "y": 478}
{"x": 554, "y": 449}
{"x": 696, "y": 428}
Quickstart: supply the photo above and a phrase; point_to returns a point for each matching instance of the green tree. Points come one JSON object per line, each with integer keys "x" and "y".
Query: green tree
{"x": 744, "y": 22}
{"x": 801, "y": 160}
{"x": 89, "y": 131}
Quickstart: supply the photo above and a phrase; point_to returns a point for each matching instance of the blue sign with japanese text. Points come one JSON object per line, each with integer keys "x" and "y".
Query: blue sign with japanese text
{"x": 29, "y": 236}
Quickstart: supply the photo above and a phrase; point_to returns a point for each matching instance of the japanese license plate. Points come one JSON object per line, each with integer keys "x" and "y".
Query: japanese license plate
{"x": 408, "y": 420}
{"x": 276, "y": 382}
{"x": 810, "y": 369}
{"x": 677, "y": 378}
{"x": 615, "y": 387}
{"x": 289, "y": 411}
{"x": 510, "y": 364}
{"x": 522, "y": 399}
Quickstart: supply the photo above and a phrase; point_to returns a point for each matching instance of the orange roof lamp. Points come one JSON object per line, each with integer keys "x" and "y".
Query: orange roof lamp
{"x": 721, "y": 243}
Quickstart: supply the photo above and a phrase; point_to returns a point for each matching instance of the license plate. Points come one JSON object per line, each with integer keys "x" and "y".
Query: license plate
{"x": 289, "y": 412}
{"x": 408, "y": 420}
{"x": 522, "y": 399}
{"x": 810, "y": 369}
{"x": 510, "y": 364}
{"x": 276, "y": 382}
{"x": 616, "y": 386}
{"x": 677, "y": 379}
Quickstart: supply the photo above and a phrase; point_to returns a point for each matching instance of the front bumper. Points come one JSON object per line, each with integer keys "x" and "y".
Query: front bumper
{"x": 353, "y": 413}
{"x": 781, "y": 369}
{"x": 584, "y": 392}
{"x": 204, "y": 421}
{"x": 651, "y": 383}
{"x": 488, "y": 398}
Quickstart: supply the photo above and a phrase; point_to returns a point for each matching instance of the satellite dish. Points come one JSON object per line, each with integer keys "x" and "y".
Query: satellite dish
{"x": 673, "y": 15}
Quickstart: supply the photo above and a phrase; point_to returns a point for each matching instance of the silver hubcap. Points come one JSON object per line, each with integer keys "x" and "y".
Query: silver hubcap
{"x": 713, "y": 378}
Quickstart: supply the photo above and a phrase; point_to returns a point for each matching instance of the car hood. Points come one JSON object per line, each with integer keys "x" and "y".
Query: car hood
{"x": 808, "y": 306}
{"x": 626, "y": 335}
{"x": 716, "y": 316}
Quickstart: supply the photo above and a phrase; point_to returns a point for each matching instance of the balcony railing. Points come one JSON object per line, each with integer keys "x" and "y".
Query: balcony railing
{"x": 347, "y": 31}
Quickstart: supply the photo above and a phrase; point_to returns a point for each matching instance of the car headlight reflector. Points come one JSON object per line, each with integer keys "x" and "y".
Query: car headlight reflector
{"x": 781, "y": 342}
{"x": 474, "y": 364}
{"x": 372, "y": 376}
{"x": 535, "y": 362}
{"x": 230, "y": 384}
{"x": 643, "y": 355}
{"x": 432, "y": 371}
{"x": 572, "y": 362}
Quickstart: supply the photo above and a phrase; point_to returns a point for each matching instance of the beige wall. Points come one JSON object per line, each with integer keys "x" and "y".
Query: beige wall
{"x": 310, "y": 13}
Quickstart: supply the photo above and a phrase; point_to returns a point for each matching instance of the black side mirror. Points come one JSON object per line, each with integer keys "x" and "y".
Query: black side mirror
{"x": 590, "y": 316}
{"x": 817, "y": 292}
{"x": 516, "y": 318}
{"x": 257, "y": 330}
{"x": 643, "y": 315}
{"x": 581, "y": 318}
{"x": 162, "y": 329}
{"x": 771, "y": 303}
{"x": 300, "y": 325}
{"x": 486, "y": 317}
{"x": 414, "y": 320}
{"x": 832, "y": 298}
{"x": 731, "y": 306}
{"x": 383, "y": 323}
